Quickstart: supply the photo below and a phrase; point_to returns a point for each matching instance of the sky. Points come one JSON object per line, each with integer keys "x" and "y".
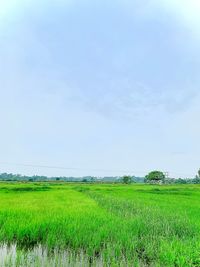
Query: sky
{"x": 100, "y": 87}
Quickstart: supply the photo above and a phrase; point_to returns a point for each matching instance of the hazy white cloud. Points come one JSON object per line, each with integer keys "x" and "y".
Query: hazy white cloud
{"x": 186, "y": 11}
{"x": 8, "y": 9}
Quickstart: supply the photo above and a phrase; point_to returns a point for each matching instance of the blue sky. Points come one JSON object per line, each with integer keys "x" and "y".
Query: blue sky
{"x": 111, "y": 85}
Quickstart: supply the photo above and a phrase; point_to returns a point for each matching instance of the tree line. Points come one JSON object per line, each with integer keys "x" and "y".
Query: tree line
{"x": 158, "y": 177}
{"x": 153, "y": 177}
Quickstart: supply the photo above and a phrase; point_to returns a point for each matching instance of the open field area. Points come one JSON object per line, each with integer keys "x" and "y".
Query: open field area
{"x": 99, "y": 225}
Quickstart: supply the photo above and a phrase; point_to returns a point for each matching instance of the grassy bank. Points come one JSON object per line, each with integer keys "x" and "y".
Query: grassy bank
{"x": 137, "y": 225}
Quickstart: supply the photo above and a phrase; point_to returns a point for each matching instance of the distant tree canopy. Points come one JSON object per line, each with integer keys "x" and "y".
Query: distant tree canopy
{"x": 155, "y": 176}
{"x": 127, "y": 179}
{"x": 198, "y": 174}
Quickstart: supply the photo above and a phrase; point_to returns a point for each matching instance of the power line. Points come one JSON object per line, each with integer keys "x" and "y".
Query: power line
{"x": 89, "y": 169}
{"x": 68, "y": 168}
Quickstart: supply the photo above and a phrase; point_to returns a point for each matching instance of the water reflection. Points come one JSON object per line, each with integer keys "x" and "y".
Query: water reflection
{"x": 39, "y": 256}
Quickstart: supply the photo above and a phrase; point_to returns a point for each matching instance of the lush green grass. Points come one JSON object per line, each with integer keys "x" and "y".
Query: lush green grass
{"x": 138, "y": 225}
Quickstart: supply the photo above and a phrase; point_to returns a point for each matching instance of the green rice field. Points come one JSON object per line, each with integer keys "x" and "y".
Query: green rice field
{"x": 60, "y": 224}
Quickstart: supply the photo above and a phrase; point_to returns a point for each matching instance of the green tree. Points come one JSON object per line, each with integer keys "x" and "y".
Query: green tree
{"x": 92, "y": 179}
{"x": 155, "y": 176}
{"x": 126, "y": 179}
{"x": 197, "y": 178}
{"x": 198, "y": 175}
